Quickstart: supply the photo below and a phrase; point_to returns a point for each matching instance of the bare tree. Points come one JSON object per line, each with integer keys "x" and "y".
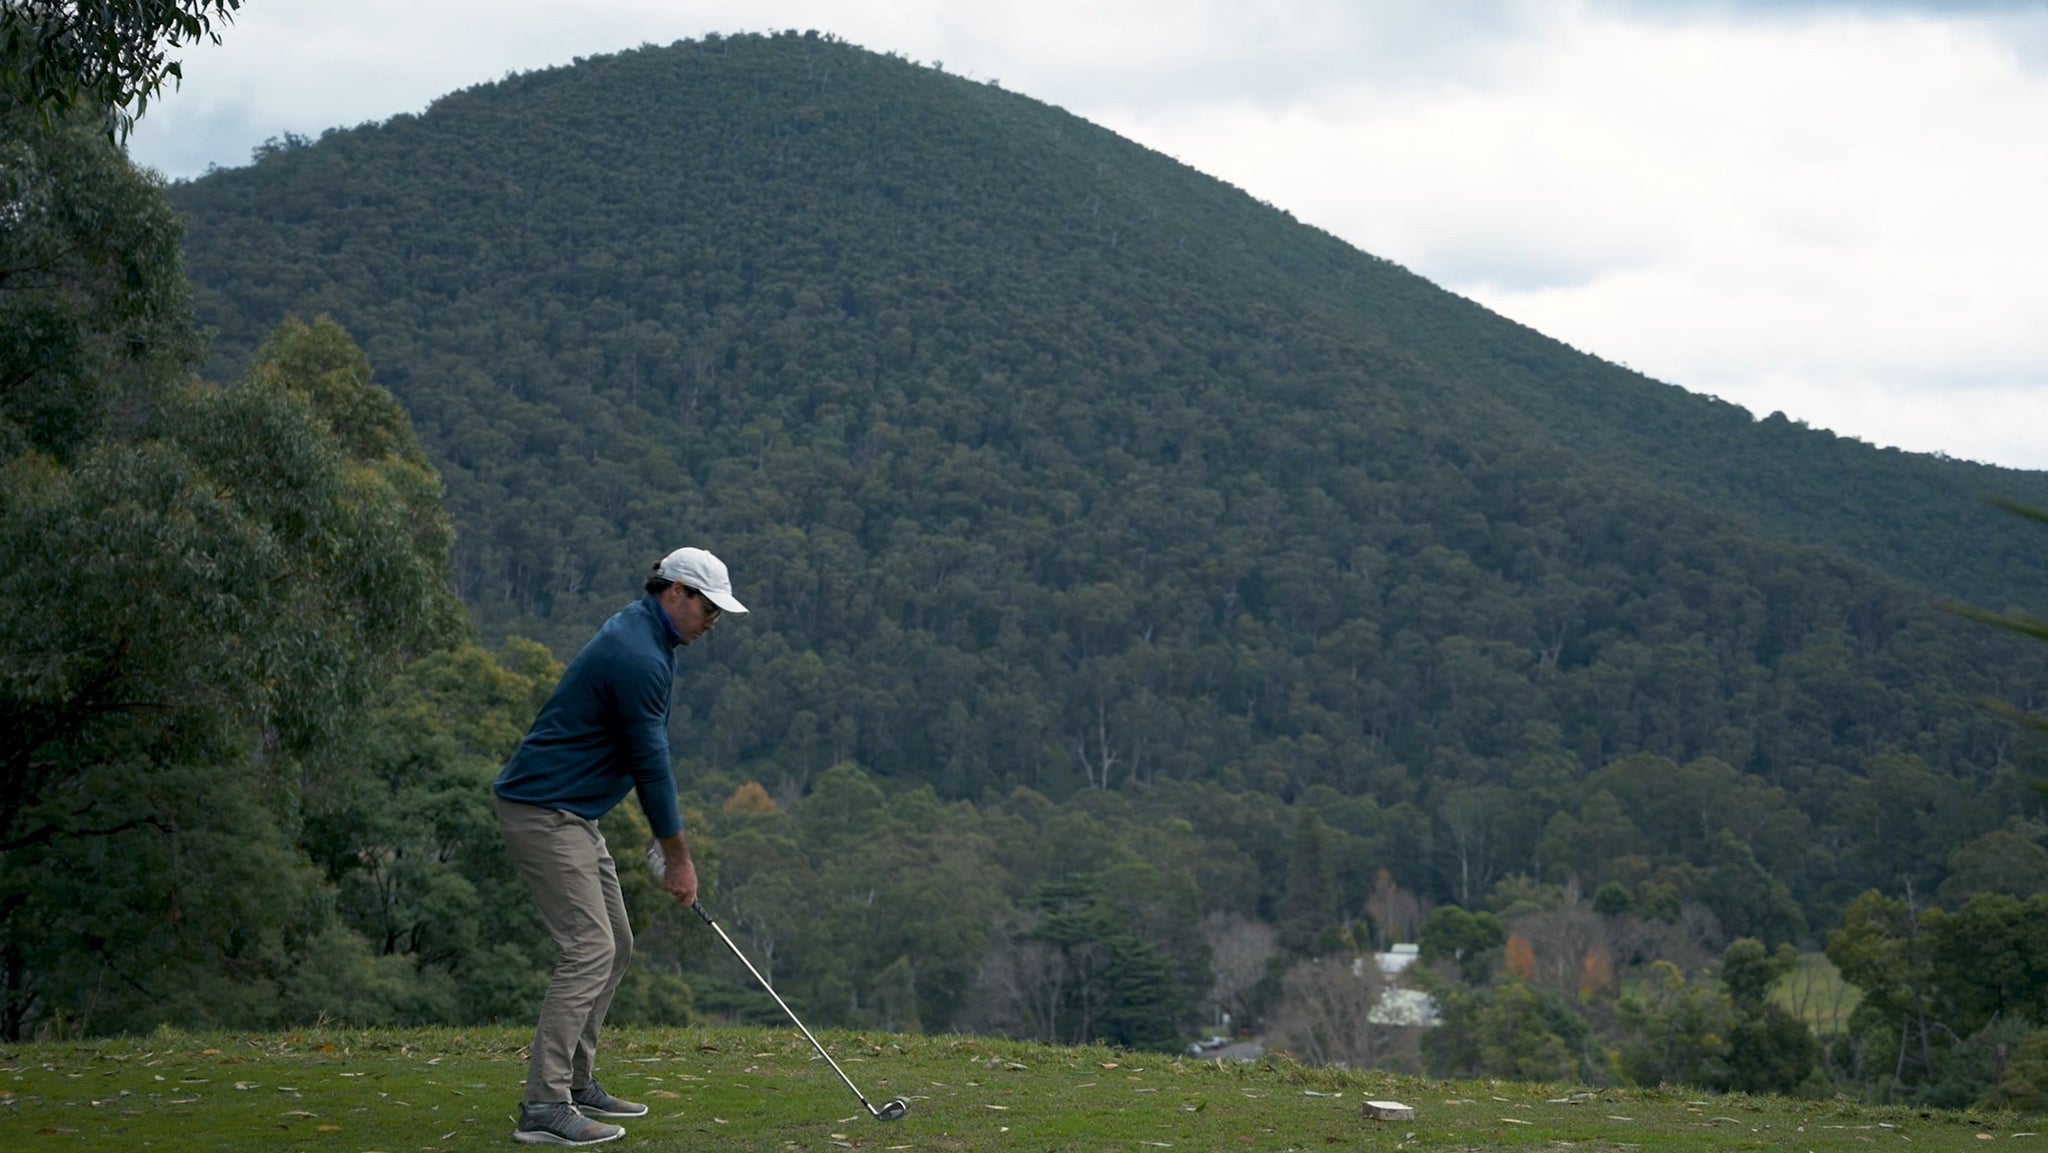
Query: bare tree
{"x": 1473, "y": 820}
{"x": 1325, "y": 1014}
{"x": 1560, "y": 940}
{"x": 1239, "y": 949}
{"x": 1025, "y": 987}
{"x": 1691, "y": 943}
{"x": 1017, "y": 990}
{"x": 1396, "y": 913}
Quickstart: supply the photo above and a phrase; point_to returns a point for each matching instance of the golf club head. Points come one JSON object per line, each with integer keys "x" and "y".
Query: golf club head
{"x": 892, "y": 1111}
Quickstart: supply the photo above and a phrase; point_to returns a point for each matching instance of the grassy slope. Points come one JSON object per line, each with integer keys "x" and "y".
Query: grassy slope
{"x": 764, "y": 1090}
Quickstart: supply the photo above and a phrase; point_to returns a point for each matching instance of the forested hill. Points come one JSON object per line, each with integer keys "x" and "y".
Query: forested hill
{"x": 694, "y": 175}
{"x": 1048, "y": 461}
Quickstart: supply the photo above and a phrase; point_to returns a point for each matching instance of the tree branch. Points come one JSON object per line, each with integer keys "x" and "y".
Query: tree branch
{"x": 50, "y": 832}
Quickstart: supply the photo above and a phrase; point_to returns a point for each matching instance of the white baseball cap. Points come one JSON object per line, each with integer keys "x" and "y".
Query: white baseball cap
{"x": 697, "y": 569}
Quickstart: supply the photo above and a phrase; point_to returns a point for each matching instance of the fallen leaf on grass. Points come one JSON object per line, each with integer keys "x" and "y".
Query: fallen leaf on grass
{"x": 48, "y": 1131}
{"x": 998, "y": 1108}
{"x": 1612, "y": 1117}
{"x": 1513, "y": 1121}
{"x": 664, "y": 1093}
{"x": 298, "y": 1113}
{"x": 328, "y": 1128}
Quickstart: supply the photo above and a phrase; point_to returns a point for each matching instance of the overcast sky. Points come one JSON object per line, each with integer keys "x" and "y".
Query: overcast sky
{"x": 1836, "y": 210}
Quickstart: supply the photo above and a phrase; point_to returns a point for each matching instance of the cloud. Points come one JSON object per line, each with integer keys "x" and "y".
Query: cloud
{"x": 1819, "y": 211}
{"x": 1721, "y": 10}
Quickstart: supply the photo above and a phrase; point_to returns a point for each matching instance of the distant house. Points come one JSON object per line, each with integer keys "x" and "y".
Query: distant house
{"x": 1398, "y": 1007}
{"x": 1396, "y": 960}
{"x": 1405, "y": 1008}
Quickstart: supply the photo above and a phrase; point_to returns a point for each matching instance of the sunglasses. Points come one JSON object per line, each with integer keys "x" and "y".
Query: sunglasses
{"x": 711, "y": 611}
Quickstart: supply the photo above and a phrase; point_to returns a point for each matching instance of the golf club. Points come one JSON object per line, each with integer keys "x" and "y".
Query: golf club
{"x": 890, "y": 1111}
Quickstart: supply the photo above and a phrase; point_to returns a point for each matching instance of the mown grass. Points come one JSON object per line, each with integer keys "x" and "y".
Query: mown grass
{"x": 750, "y": 1089}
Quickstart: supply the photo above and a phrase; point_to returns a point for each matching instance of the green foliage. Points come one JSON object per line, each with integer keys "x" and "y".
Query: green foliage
{"x": 403, "y": 830}
{"x": 203, "y": 589}
{"x": 1979, "y": 1068}
{"x": 1309, "y": 915}
{"x": 1613, "y": 900}
{"x": 95, "y": 317}
{"x": 1769, "y": 1050}
{"x": 1509, "y": 1030}
{"x": 2024, "y": 1087}
{"x": 1734, "y": 1038}
{"x": 1932, "y": 979}
{"x": 2021, "y": 623}
{"x": 1470, "y": 939}
{"x": 1678, "y": 1031}
{"x": 213, "y": 600}
{"x": 2001, "y": 861}
{"x": 1748, "y": 900}
{"x": 1123, "y": 991}
{"x": 1748, "y": 971}
{"x": 58, "y": 55}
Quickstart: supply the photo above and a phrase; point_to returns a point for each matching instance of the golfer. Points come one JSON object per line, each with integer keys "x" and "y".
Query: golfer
{"x": 603, "y": 734}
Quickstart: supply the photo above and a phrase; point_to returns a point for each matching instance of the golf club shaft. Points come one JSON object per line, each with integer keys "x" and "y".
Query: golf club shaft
{"x": 716, "y": 928}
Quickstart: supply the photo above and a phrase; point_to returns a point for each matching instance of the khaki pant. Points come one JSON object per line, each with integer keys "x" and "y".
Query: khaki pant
{"x": 576, "y": 884}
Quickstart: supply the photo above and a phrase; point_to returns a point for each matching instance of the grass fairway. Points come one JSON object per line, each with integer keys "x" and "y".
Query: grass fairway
{"x": 729, "y": 1089}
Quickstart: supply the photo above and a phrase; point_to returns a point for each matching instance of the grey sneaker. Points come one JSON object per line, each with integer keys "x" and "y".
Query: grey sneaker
{"x": 559, "y": 1123}
{"x": 595, "y": 1102}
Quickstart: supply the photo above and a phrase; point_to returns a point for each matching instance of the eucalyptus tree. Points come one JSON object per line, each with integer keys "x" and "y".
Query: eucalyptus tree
{"x": 58, "y": 56}
{"x": 200, "y": 587}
